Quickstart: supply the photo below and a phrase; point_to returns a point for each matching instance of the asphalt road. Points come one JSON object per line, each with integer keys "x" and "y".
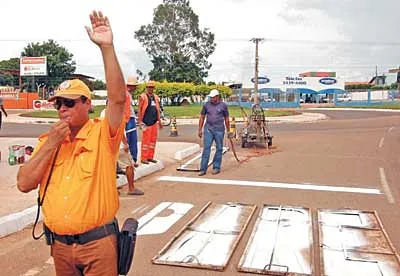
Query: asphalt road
{"x": 354, "y": 149}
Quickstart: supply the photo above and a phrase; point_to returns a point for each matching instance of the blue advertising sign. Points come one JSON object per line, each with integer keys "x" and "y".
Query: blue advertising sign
{"x": 261, "y": 80}
{"x": 328, "y": 81}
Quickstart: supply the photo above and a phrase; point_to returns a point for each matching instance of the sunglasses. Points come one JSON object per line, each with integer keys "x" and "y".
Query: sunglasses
{"x": 70, "y": 103}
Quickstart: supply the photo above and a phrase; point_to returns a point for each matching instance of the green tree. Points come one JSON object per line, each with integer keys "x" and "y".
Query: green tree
{"x": 178, "y": 48}
{"x": 10, "y": 64}
{"x": 99, "y": 85}
{"x": 6, "y": 78}
{"x": 59, "y": 62}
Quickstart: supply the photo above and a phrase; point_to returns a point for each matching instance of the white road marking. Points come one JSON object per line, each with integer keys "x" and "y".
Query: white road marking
{"x": 145, "y": 207}
{"x": 191, "y": 160}
{"x": 141, "y": 208}
{"x": 198, "y": 157}
{"x": 381, "y": 142}
{"x": 272, "y": 185}
{"x": 150, "y": 215}
{"x": 161, "y": 224}
{"x": 138, "y": 208}
{"x": 385, "y": 186}
{"x": 31, "y": 272}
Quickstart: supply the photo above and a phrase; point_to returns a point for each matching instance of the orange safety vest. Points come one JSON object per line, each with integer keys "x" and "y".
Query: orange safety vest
{"x": 144, "y": 100}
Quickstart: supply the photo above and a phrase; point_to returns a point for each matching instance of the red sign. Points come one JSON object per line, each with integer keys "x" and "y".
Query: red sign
{"x": 43, "y": 105}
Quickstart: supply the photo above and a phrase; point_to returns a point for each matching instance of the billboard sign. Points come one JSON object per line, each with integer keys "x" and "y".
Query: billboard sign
{"x": 33, "y": 66}
{"x": 313, "y": 83}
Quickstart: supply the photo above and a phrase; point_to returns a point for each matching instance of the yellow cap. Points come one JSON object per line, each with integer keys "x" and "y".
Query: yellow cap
{"x": 71, "y": 89}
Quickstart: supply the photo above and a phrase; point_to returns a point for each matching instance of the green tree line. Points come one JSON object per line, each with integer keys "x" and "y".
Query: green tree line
{"x": 175, "y": 92}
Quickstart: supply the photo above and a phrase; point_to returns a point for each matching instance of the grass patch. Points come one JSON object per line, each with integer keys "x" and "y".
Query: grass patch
{"x": 193, "y": 111}
{"x": 54, "y": 114}
{"x": 190, "y": 111}
{"x": 376, "y": 106}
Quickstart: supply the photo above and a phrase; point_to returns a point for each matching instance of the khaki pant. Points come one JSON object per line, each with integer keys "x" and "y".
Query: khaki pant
{"x": 96, "y": 258}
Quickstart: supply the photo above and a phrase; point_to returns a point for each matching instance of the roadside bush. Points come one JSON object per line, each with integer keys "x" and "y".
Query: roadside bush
{"x": 176, "y": 91}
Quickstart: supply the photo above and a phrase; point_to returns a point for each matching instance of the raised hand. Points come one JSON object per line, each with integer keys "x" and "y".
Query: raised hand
{"x": 100, "y": 33}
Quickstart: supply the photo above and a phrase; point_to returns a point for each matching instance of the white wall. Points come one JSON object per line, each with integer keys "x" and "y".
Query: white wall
{"x": 375, "y": 95}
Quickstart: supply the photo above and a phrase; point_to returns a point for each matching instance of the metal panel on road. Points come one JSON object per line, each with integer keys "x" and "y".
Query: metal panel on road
{"x": 209, "y": 239}
{"x": 281, "y": 243}
{"x": 354, "y": 243}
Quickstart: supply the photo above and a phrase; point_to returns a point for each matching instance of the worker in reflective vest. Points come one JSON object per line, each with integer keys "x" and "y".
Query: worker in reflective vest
{"x": 149, "y": 121}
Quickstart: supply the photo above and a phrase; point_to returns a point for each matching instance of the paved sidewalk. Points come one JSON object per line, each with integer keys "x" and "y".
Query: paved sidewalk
{"x": 19, "y": 209}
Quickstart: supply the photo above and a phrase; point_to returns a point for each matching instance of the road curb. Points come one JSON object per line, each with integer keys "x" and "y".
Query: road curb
{"x": 17, "y": 221}
{"x": 182, "y": 154}
{"x": 355, "y": 109}
{"x": 141, "y": 171}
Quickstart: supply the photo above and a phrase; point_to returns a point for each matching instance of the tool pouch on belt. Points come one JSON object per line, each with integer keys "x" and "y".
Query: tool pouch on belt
{"x": 126, "y": 245}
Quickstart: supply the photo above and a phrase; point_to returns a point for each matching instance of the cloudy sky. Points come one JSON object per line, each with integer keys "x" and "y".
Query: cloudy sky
{"x": 350, "y": 37}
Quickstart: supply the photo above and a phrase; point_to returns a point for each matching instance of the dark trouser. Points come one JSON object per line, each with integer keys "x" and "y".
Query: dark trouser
{"x": 1, "y": 118}
{"x": 99, "y": 257}
{"x": 131, "y": 137}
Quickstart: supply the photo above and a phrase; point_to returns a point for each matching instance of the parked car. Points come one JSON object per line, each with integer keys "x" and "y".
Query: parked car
{"x": 324, "y": 100}
{"x": 344, "y": 98}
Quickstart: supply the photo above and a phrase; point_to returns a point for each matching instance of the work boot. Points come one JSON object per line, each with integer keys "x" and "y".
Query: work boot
{"x": 215, "y": 171}
{"x": 152, "y": 160}
{"x": 201, "y": 173}
{"x": 144, "y": 161}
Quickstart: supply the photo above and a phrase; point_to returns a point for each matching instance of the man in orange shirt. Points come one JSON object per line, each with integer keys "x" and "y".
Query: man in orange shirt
{"x": 74, "y": 165}
{"x": 149, "y": 121}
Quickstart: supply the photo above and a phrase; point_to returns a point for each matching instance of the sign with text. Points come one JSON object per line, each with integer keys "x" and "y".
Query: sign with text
{"x": 43, "y": 105}
{"x": 313, "y": 83}
{"x": 261, "y": 80}
{"x": 33, "y": 66}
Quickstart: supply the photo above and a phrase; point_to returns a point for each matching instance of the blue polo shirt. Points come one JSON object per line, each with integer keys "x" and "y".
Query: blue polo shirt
{"x": 215, "y": 115}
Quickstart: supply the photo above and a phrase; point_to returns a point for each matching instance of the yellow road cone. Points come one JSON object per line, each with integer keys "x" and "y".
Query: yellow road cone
{"x": 173, "y": 130}
{"x": 233, "y": 128}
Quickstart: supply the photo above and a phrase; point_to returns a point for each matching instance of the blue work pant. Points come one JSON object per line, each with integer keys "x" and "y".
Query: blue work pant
{"x": 208, "y": 137}
{"x": 131, "y": 137}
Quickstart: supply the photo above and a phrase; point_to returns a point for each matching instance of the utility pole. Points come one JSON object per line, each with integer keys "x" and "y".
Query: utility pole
{"x": 256, "y": 41}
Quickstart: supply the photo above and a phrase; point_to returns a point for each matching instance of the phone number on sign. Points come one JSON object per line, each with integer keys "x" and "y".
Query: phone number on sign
{"x": 294, "y": 83}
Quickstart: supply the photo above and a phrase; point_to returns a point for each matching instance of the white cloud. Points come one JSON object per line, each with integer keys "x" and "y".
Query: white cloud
{"x": 336, "y": 27}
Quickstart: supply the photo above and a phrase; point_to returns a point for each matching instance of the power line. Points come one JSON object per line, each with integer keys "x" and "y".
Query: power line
{"x": 303, "y": 41}
{"x": 273, "y": 40}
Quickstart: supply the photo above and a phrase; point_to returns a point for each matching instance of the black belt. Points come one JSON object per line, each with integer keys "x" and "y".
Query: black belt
{"x": 92, "y": 235}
